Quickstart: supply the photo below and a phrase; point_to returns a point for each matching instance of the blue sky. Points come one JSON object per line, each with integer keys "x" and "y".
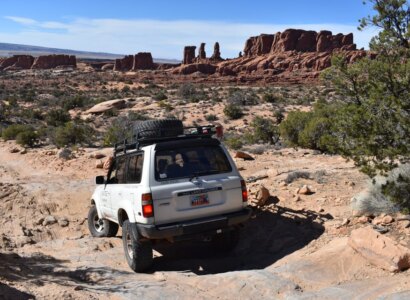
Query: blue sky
{"x": 164, "y": 27}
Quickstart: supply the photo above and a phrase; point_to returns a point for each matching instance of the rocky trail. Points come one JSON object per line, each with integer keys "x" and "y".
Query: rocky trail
{"x": 296, "y": 246}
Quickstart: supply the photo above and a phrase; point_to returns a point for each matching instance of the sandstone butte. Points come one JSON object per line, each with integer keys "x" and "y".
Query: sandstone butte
{"x": 294, "y": 54}
{"x": 24, "y": 62}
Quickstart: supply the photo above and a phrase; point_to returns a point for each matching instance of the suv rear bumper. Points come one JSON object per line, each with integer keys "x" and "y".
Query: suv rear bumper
{"x": 194, "y": 227}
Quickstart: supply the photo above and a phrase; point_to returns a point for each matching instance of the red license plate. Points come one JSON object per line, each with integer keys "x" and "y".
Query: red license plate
{"x": 198, "y": 200}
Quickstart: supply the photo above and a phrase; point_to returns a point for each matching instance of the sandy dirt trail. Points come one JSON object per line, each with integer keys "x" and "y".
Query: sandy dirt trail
{"x": 293, "y": 249}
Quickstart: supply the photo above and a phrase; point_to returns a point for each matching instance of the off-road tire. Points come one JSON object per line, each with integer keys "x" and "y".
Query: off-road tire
{"x": 226, "y": 241}
{"x": 137, "y": 252}
{"x": 159, "y": 128}
{"x": 100, "y": 227}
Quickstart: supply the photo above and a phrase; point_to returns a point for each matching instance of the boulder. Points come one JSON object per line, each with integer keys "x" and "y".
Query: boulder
{"x": 99, "y": 164}
{"x": 189, "y": 54}
{"x": 64, "y": 153}
{"x": 49, "y": 220}
{"x": 262, "y": 196}
{"x": 63, "y": 222}
{"x": 106, "y": 106}
{"x": 243, "y": 155}
{"x": 380, "y": 250}
{"x": 305, "y": 190}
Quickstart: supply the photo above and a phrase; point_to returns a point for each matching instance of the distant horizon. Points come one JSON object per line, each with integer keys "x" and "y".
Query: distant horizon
{"x": 164, "y": 29}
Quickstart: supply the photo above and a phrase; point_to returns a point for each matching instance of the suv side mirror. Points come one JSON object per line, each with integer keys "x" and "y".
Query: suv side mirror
{"x": 99, "y": 180}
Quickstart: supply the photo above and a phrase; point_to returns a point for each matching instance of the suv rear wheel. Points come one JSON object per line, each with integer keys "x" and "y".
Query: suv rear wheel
{"x": 137, "y": 252}
{"x": 100, "y": 227}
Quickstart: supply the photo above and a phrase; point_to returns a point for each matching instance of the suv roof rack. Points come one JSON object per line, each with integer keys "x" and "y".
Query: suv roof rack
{"x": 139, "y": 141}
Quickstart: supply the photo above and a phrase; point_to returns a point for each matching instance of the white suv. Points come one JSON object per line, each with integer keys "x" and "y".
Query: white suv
{"x": 170, "y": 183}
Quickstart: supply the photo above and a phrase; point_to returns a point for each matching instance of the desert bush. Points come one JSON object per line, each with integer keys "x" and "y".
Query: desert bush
{"x": 294, "y": 124}
{"x": 77, "y": 101}
{"x": 279, "y": 115}
{"x": 233, "y": 111}
{"x": 120, "y": 129}
{"x": 211, "y": 117}
{"x": 397, "y": 187}
{"x": 73, "y": 133}
{"x": 264, "y": 130}
{"x": 165, "y": 105}
{"x": 241, "y": 97}
{"x": 11, "y": 132}
{"x": 160, "y": 96}
{"x": 292, "y": 176}
{"x": 234, "y": 142}
{"x": 27, "y": 138}
{"x": 57, "y": 117}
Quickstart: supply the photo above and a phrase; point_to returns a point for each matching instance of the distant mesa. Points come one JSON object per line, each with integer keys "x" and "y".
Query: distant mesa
{"x": 298, "y": 40}
{"x": 25, "y": 62}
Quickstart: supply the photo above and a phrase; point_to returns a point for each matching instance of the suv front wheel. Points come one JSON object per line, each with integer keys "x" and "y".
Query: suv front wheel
{"x": 100, "y": 227}
{"x": 137, "y": 252}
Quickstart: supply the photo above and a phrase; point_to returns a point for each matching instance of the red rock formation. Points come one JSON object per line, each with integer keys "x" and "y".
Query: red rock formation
{"x": 143, "y": 61}
{"x": 124, "y": 64}
{"x": 53, "y": 61}
{"x": 297, "y": 40}
{"x": 203, "y": 68}
{"x": 189, "y": 55}
{"x": 201, "y": 52}
{"x": 216, "y": 56}
{"x": 17, "y": 62}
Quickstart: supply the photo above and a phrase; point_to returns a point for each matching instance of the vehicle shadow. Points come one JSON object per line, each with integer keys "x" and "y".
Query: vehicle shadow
{"x": 11, "y": 293}
{"x": 272, "y": 233}
{"x": 40, "y": 269}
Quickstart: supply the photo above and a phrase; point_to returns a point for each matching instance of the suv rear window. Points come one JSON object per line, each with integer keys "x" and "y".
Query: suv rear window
{"x": 190, "y": 161}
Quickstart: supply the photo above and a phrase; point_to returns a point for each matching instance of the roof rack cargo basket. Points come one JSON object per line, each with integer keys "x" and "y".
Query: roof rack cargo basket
{"x": 151, "y": 136}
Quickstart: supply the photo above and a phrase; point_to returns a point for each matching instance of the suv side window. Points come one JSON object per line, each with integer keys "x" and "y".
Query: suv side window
{"x": 121, "y": 173}
{"x": 135, "y": 168}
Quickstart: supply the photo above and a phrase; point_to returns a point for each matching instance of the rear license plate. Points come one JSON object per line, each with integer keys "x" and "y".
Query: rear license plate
{"x": 198, "y": 200}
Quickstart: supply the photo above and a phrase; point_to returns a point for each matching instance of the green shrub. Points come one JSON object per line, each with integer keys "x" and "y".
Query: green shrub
{"x": 264, "y": 130}
{"x": 241, "y": 97}
{"x": 294, "y": 124}
{"x": 271, "y": 98}
{"x": 11, "y": 132}
{"x": 120, "y": 129}
{"x": 57, "y": 117}
{"x": 211, "y": 117}
{"x": 27, "y": 138}
{"x": 234, "y": 142}
{"x": 73, "y": 133}
{"x": 279, "y": 115}
{"x": 168, "y": 107}
{"x": 233, "y": 111}
{"x": 160, "y": 96}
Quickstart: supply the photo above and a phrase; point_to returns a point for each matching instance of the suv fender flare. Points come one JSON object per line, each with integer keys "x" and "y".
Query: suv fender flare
{"x": 93, "y": 202}
{"x": 129, "y": 211}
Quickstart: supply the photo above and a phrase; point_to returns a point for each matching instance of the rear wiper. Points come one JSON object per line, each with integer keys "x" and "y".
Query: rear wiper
{"x": 197, "y": 174}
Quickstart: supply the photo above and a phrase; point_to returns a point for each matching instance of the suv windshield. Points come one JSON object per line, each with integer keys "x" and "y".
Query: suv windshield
{"x": 190, "y": 161}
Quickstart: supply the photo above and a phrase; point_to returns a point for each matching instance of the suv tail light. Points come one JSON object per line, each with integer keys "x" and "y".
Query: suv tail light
{"x": 219, "y": 131}
{"x": 244, "y": 191}
{"x": 147, "y": 206}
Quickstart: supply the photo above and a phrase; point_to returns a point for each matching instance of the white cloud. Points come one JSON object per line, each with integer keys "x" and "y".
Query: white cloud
{"x": 165, "y": 39}
{"x": 22, "y": 21}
